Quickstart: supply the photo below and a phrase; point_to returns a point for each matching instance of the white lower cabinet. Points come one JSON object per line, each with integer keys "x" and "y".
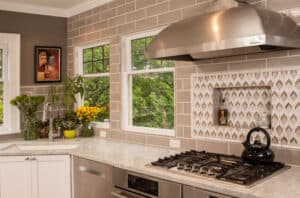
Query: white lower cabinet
{"x": 42, "y": 176}
{"x": 15, "y": 177}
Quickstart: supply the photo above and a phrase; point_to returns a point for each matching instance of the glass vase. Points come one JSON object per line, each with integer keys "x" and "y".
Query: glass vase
{"x": 30, "y": 131}
{"x": 86, "y": 130}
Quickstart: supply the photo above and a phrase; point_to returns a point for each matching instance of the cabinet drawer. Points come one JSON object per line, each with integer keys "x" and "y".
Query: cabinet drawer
{"x": 190, "y": 192}
{"x": 91, "y": 179}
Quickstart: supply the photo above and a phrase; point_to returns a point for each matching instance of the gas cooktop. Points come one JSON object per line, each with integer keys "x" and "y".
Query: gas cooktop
{"x": 222, "y": 167}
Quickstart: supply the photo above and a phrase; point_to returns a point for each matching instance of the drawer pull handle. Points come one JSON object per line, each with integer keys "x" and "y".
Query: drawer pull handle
{"x": 120, "y": 195}
{"x": 30, "y": 159}
{"x": 90, "y": 171}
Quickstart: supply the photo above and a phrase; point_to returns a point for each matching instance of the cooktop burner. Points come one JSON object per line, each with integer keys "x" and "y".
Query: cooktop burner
{"x": 223, "y": 167}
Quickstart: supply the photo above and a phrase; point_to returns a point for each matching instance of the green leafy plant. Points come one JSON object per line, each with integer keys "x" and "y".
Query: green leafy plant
{"x": 72, "y": 86}
{"x": 69, "y": 122}
{"x": 96, "y": 93}
{"x": 28, "y": 106}
{"x": 57, "y": 122}
{"x": 69, "y": 125}
{"x": 40, "y": 124}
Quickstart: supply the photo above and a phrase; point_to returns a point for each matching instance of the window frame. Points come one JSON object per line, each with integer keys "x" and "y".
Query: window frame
{"x": 127, "y": 86}
{"x": 10, "y": 43}
{"x": 79, "y": 71}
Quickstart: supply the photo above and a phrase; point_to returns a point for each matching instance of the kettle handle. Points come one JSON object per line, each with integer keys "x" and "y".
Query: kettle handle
{"x": 258, "y": 129}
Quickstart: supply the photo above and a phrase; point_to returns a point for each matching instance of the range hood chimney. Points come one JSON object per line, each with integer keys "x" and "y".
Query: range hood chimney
{"x": 228, "y": 28}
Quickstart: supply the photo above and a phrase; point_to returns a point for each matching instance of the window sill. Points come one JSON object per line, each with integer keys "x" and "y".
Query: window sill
{"x": 9, "y": 131}
{"x": 102, "y": 125}
{"x": 151, "y": 131}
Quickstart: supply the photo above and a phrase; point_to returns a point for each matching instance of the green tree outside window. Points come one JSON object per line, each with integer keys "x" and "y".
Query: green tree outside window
{"x": 1, "y": 87}
{"x": 96, "y": 93}
{"x": 152, "y": 93}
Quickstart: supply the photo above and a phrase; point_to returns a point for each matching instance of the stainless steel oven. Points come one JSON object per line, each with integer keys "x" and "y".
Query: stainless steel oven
{"x": 132, "y": 185}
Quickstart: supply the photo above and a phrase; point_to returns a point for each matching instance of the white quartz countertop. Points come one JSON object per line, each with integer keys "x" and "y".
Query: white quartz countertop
{"x": 133, "y": 157}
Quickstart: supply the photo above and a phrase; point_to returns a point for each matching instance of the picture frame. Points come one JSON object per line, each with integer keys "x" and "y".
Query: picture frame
{"x": 47, "y": 64}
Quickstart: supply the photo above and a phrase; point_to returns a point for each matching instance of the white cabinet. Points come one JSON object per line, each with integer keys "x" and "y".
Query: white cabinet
{"x": 15, "y": 177}
{"x": 44, "y": 176}
{"x": 53, "y": 174}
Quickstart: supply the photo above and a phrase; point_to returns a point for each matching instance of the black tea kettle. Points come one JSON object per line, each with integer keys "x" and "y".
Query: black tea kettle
{"x": 257, "y": 153}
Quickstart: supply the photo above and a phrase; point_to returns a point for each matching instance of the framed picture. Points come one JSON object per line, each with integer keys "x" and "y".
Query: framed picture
{"x": 47, "y": 64}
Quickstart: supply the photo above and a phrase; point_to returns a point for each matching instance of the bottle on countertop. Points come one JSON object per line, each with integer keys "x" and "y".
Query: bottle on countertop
{"x": 223, "y": 113}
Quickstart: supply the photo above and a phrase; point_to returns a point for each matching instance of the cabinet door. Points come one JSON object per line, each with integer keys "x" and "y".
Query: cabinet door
{"x": 91, "y": 179}
{"x": 15, "y": 177}
{"x": 52, "y": 176}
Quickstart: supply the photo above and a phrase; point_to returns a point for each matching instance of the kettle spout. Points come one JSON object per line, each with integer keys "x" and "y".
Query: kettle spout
{"x": 245, "y": 144}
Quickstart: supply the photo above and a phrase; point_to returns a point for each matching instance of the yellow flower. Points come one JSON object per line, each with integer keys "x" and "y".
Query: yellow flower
{"x": 87, "y": 114}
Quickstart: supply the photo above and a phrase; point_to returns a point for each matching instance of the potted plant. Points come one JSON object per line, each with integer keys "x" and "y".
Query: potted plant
{"x": 69, "y": 125}
{"x": 86, "y": 115}
{"x": 43, "y": 128}
{"x": 57, "y": 123}
{"x": 28, "y": 107}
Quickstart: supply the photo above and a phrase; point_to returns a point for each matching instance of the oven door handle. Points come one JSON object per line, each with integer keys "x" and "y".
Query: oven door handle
{"x": 121, "y": 194}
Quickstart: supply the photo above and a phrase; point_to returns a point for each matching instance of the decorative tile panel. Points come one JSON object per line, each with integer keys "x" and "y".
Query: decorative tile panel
{"x": 248, "y": 95}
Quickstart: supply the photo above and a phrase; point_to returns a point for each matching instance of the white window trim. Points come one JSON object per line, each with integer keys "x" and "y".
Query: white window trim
{"x": 126, "y": 90}
{"x": 11, "y": 74}
{"x": 78, "y": 62}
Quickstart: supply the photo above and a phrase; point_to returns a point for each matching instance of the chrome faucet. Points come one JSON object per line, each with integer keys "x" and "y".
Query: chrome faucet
{"x": 50, "y": 134}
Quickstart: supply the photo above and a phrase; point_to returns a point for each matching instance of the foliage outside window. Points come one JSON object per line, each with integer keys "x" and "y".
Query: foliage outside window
{"x": 138, "y": 60}
{"x": 151, "y": 88}
{"x": 1, "y": 87}
{"x": 9, "y": 82}
{"x": 96, "y": 77}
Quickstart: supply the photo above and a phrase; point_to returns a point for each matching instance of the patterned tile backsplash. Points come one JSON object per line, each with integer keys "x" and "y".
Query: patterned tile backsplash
{"x": 245, "y": 105}
{"x": 248, "y": 95}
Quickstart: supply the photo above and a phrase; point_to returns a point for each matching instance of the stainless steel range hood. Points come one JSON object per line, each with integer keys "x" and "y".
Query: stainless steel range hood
{"x": 238, "y": 29}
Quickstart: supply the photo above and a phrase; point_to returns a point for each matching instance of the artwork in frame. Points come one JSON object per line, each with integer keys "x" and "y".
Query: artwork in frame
{"x": 47, "y": 64}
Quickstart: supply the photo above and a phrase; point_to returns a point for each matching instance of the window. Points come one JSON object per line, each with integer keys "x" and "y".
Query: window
{"x": 94, "y": 66}
{"x": 148, "y": 89}
{"x": 9, "y": 82}
{"x": 1, "y": 86}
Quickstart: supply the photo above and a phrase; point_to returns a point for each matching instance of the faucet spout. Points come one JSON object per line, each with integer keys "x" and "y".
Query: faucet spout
{"x": 50, "y": 134}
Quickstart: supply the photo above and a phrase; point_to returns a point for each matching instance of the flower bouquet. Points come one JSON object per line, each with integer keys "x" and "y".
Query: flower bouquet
{"x": 86, "y": 115}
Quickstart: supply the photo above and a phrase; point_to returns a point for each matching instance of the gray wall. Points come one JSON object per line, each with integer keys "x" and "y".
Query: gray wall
{"x": 35, "y": 30}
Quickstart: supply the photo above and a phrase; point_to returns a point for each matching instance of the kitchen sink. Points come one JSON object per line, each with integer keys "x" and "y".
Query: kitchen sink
{"x": 32, "y": 147}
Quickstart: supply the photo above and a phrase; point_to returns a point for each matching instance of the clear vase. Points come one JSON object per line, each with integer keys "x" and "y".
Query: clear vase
{"x": 86, "y": 130}
{"x": 30, "y": 131}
